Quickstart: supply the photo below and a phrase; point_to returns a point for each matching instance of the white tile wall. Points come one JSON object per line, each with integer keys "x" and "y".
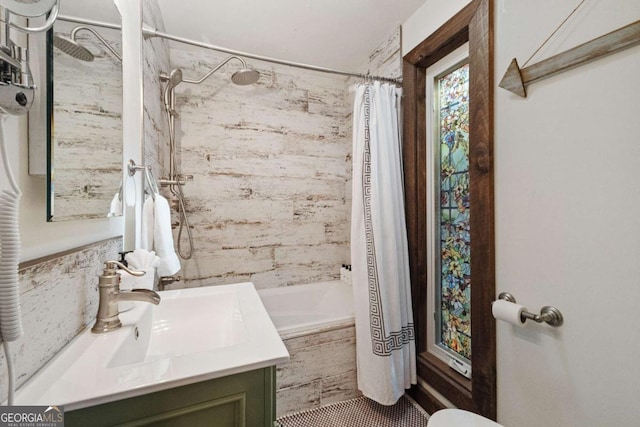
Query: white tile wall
{"x": 270, "y": 200}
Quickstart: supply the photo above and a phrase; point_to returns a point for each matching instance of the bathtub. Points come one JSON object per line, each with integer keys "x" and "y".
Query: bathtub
{"x": 314, "y": 307}
{"x": 316, "y": 324}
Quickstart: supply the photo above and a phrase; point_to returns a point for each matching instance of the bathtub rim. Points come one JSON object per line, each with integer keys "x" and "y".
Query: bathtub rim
{"x": 302, "y": 331}
{"x": 308, "y": 329}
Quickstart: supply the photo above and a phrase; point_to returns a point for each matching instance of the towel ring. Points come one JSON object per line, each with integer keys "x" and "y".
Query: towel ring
{"x": 148, "y": 176}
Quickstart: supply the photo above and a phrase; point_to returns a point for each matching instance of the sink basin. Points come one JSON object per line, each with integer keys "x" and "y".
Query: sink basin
{"x": 185, "y": 323}
{"x": 193, "y": 335}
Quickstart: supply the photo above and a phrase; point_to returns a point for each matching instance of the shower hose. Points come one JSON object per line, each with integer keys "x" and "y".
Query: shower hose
{"x": 10, "y": 323}
{"x": 184, "y": 224}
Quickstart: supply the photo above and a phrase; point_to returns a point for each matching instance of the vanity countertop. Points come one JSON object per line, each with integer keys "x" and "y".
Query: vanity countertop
{"x": 194, "y": 335}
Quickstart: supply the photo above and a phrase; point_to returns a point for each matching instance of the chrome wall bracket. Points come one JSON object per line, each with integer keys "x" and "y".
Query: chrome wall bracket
{"x": 180, "y": 180}
{"x": 150, "y": 181}
{"x": 548, "y": 314}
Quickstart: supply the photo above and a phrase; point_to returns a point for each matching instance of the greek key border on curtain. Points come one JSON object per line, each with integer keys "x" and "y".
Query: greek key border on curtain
{"x": 382, "y": 343}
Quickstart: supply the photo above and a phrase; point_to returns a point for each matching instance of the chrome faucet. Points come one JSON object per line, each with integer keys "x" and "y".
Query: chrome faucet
{"x": 167, "y": 280}
{"x": 110, "y": 294}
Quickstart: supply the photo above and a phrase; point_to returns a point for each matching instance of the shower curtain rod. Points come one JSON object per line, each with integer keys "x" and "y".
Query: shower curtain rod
{"x": 89, "y": 22}
{"x": 148, "y": 32}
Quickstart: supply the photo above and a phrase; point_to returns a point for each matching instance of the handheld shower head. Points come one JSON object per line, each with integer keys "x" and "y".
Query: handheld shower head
{"x": 173, "y": 79}
{"x": 245, "y": 76}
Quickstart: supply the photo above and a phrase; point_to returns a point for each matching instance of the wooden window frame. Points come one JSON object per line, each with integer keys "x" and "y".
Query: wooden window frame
{"x": 473, "y": 24}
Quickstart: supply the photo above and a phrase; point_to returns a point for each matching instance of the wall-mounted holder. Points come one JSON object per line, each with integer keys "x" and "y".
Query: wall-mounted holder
{"x": 180, "y": 180}
{"x": 148, "y": 176}
{"x": 548, "y": 314}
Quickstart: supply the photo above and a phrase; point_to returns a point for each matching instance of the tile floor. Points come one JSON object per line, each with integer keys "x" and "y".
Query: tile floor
{"x": 359, "y": 412}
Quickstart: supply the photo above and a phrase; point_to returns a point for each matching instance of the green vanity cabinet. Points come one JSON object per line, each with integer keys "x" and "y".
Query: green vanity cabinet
{"x": 246, "y": 399}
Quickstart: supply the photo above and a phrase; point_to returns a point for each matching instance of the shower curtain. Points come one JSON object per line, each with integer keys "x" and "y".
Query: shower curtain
{"x": 385, "y": 340}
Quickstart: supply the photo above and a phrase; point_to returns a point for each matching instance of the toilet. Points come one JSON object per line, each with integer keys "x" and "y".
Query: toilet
{"x": 459, "y": 418}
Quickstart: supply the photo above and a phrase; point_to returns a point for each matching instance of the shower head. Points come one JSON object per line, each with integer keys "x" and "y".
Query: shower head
{"x": 245, "y": 76}
{"x": 70, "y": 45}
{"x": 174, "y": 78}
{"x": 73, "y": 48}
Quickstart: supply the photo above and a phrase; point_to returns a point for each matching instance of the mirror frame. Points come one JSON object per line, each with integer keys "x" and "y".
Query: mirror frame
{"x": 42, "y": 125}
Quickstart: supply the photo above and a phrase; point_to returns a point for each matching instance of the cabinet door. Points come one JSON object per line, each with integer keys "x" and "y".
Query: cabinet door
{"x": 246, "y": 399}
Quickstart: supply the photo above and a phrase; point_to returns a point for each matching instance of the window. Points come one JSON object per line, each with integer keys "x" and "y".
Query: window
{"x": 472, "y": 24}
{"x": 448, "y": 208}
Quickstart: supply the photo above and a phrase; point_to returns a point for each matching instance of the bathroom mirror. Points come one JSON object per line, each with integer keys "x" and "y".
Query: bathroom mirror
{"x": 84, "y": 103}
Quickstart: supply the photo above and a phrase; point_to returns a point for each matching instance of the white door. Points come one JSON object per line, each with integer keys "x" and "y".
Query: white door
{"x": 567, "y": 185}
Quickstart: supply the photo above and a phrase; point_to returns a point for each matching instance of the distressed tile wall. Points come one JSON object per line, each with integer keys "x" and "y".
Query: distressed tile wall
{"x": 321, "y": 370}
{"x": 155, "y": 61}
{"x": 87, "y": 133}
{"x": 270, "y": 161}
{"x": 383, "y": 61}
{"x": 270, "y": 199}
{"x": 386, "y": 59}
{"x": 58, "y": 298}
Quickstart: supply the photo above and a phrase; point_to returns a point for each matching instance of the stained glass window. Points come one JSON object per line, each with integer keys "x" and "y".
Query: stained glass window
{"x": 454, "y": 287}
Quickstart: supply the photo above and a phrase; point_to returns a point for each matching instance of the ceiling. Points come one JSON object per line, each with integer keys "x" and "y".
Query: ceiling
{"x": 328, "y": 33}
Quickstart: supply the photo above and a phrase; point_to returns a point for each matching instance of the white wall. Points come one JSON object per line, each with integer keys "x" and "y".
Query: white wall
{"x": 567, "y": 186}
{"x": 567, "y": 193}
{"x": 132, "y": 111}
{"x": 431, "y": 15}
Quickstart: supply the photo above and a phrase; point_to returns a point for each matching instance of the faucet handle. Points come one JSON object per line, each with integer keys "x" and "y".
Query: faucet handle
{"x": 111, "y": 265}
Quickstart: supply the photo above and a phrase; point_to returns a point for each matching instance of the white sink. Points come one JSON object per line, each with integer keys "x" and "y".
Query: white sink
{"x": 185, "y": 323}
{"x": 193, "y": 335}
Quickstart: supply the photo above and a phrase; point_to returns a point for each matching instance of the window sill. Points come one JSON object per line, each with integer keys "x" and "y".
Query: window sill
{"x": 448, "y": 382}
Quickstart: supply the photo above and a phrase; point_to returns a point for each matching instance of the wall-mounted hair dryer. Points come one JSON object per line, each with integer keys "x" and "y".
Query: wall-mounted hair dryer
{"x": 17, "y": 88}
{"x": 16, "y": 96}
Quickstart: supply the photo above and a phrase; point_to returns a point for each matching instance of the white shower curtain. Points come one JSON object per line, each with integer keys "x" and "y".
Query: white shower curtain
{"x": 385, "y": 339}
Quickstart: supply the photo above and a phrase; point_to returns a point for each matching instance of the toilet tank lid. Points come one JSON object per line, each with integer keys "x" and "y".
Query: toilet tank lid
{"x": 459, "y": 418}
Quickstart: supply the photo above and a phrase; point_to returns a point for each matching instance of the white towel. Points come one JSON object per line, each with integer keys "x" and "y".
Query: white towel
{"x": 142, "y": 259}
{"x": 116, "y": 206}
{"x": 128, "y": 282}
{"x": 147, "y": 228}
{"x": 163, "y": 238}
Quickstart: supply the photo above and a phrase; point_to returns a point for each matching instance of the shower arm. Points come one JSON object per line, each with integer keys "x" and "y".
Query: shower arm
{"x": 216, "y": 68}
{"x": 73, "y": 33}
